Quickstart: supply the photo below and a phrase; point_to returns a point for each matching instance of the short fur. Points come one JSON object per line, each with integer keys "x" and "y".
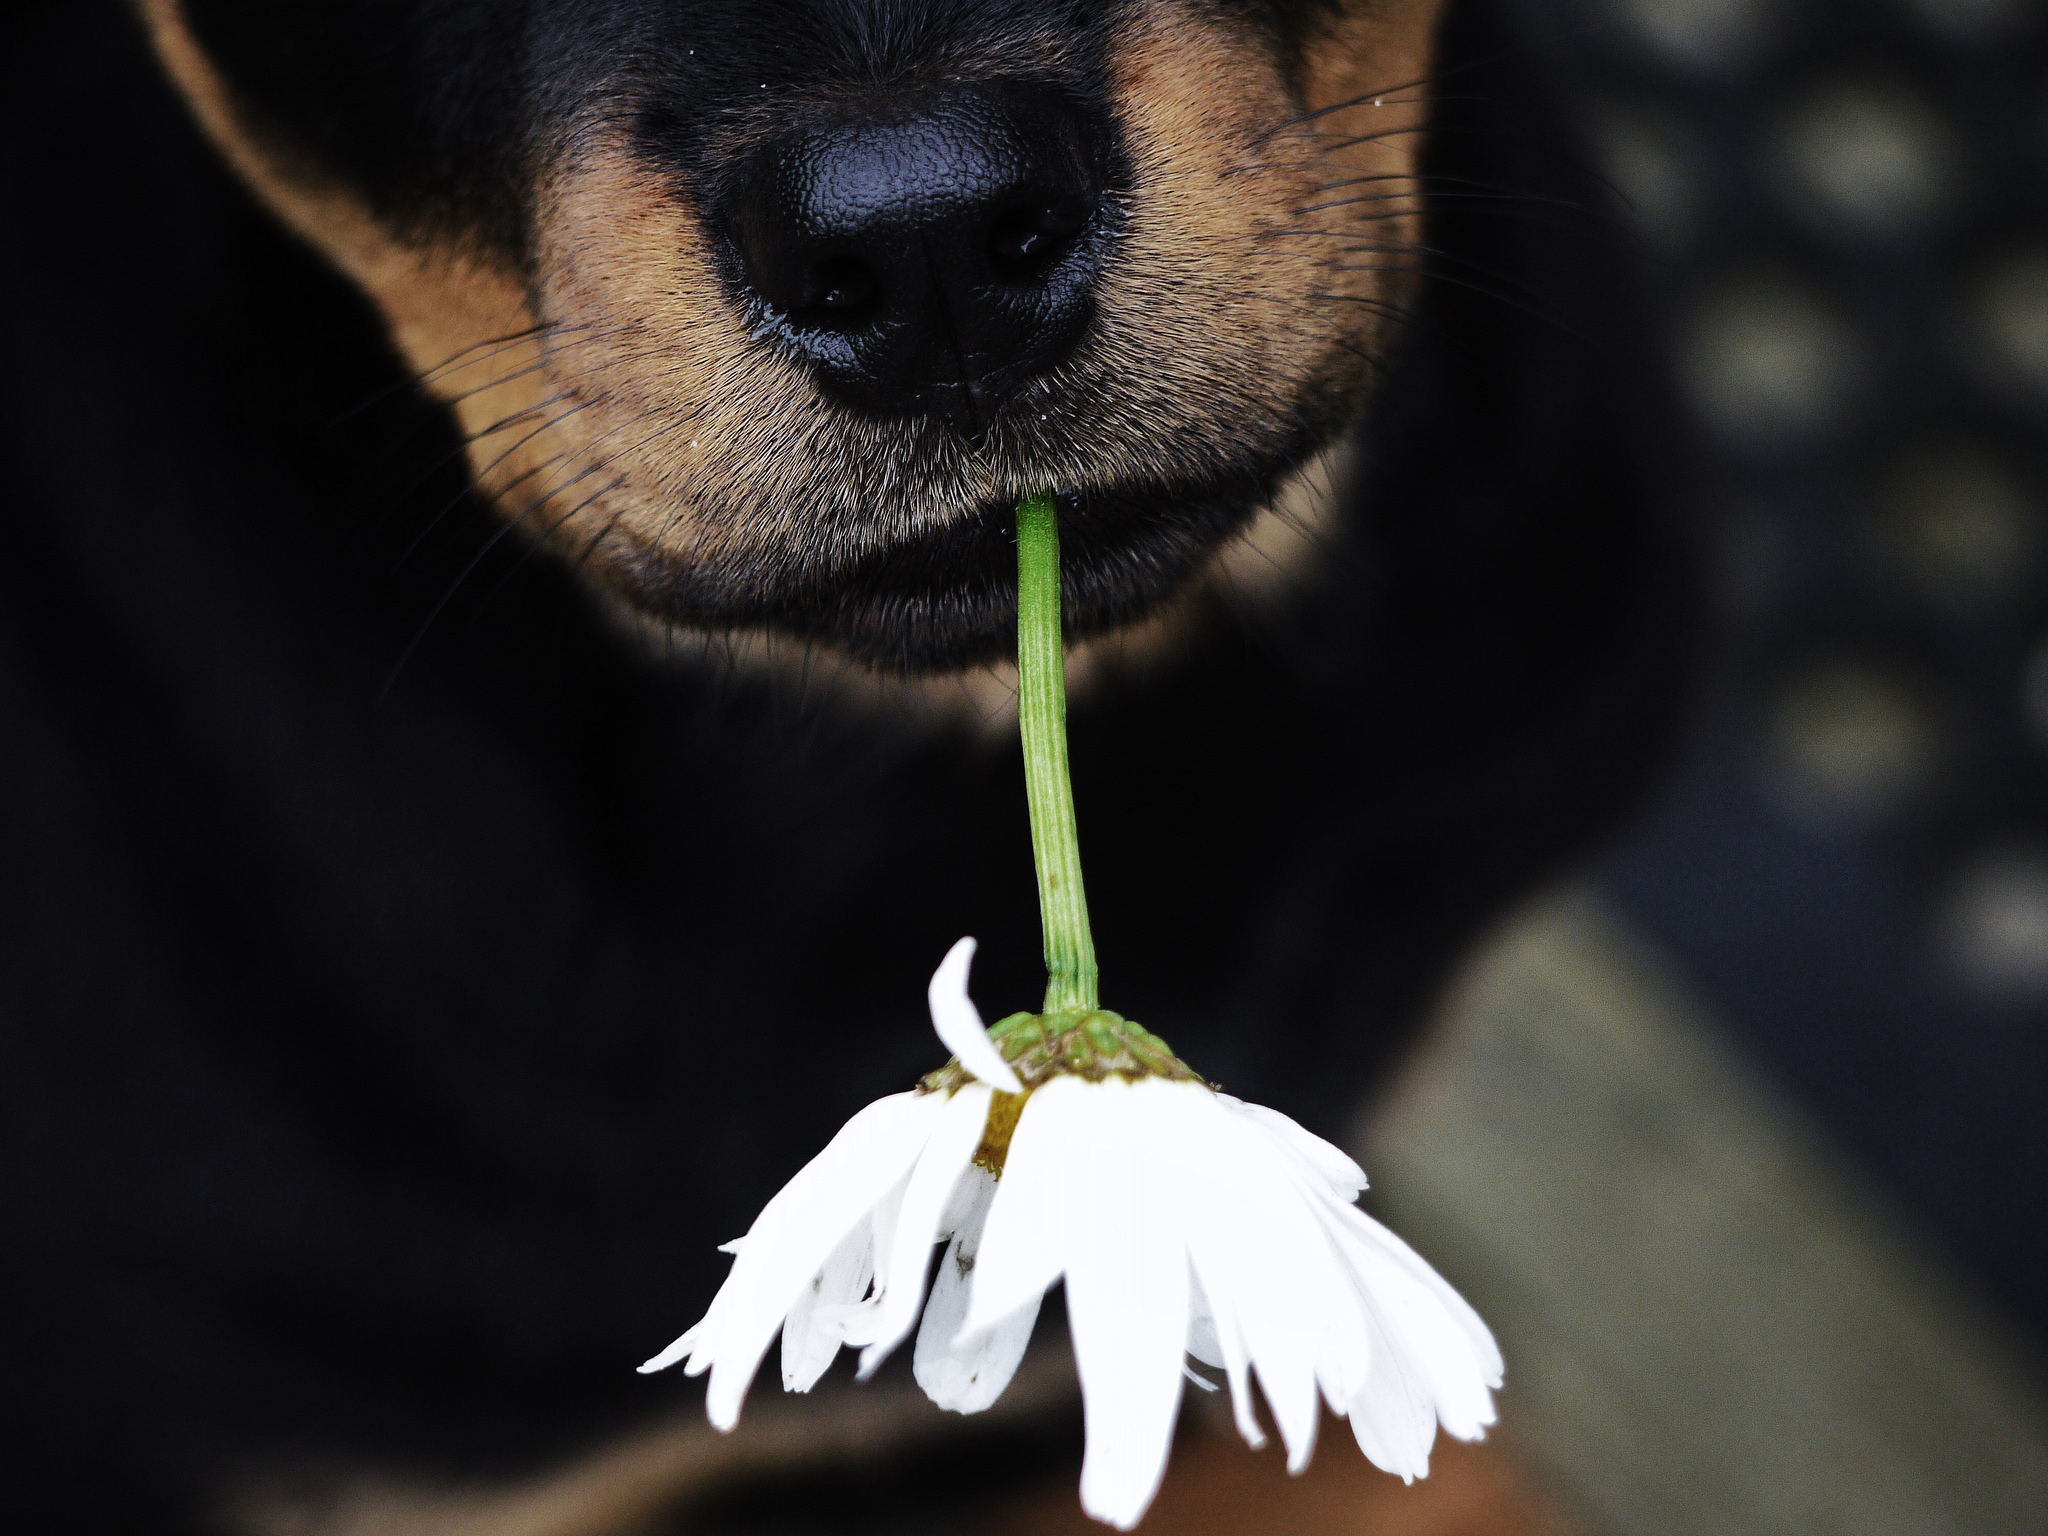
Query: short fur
{"x": 407, "y": 976}
{"x": 625, "y": 401}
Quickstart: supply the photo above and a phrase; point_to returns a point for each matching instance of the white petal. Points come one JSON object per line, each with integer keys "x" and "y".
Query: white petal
{"x": 854, "y": 1324}
{"x": 900, "y": 1270}
{"x": 1435, "y": 1350}
{"x": 791, "y": 1239}
{"x": 1203, "y": 1341}
{"x": 1127, "y": 1304}
{"x": 959, "y": 1024}
{"x": 1024, "y": 1245}
{"x": 1231, "y": 1355}
{"x": 1391, "y": 1412}
{"x": 1474, "y": 1328}
{"x": 969, "y": 1207}
{"x": 809, "y": 1341}
{"x": 1427, "y": 1358}
{"x": 966, "y": 1375}
{"x": 676, "y": 1351}
{"x": 1335, "y": 1165}
{"x": 1262, "y": 1249}
{"x": 1430, "y": 1359}
{"x": 1255, "y": 1248}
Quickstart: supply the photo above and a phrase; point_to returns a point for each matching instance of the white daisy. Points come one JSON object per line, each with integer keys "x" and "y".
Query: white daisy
{"x": 839, "y": 1255}
{"x": 1183, "y": 1221}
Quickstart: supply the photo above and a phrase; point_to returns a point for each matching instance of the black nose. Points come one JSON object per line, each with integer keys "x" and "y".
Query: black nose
{"x": 930, "y": 259}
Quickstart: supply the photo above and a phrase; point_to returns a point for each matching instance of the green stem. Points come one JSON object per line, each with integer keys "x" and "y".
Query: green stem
{"x": 1042, "y": 714}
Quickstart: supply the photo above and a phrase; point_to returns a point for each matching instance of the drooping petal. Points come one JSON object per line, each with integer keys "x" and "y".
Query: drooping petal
{"x": 1228, "y": 1338}
{"x": 792, "y": 1238}
{"x": 684, "y": 1345}
{"x": 1024, "y": 1244}
{"x": 900, "y": 1271}
{"x": 1335, "y": 1165}
{"x": 969, "y": 1207}
{"x": 1253, "y": 1246}
{"x": 959, "y": 1025}
{"x": 1485, "y": 1350}
{"x": 1435, "y": 1350}
{"x": 1427, "y": 1356}
{"x": 808, "y": 1341}
{"x": 1424, "y": 1356}
{"x": 1204, "y": 1343}
{"x": 1351, "y": 1226}
{"x": 854, "y": 1322}
{"x": 966, "y": 1374}
{"x": 1127, "y": 1302}
{"x": 1392, "y": 1415}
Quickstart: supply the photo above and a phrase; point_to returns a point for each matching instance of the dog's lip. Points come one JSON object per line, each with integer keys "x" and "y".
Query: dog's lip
{"x": 944, "y": 599}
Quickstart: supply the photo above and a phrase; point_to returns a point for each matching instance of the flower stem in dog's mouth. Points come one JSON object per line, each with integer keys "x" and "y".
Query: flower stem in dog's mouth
{"x": 1073, "y": 1145}
{"x": 1042, "y": 717}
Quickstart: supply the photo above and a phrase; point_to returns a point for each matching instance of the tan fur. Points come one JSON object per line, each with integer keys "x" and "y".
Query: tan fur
{"x": 1236, "y": 290}
{"x": 629, "y": 1484}
{"x": 451, "y": 312}
{"x": 1215, "y": 1485}
{"x": 620, "y": 411}
{"x": 1368, "y": 102}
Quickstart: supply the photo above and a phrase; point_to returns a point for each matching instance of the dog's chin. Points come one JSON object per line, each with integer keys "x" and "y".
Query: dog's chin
{"x": 945, "y": 600}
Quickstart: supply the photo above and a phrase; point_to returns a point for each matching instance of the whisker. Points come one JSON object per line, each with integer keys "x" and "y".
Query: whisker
{"x": 1434, "y": 265}
{"x": 1423, "y": 83}
{"x": 435, "y": 413}
{"x": 441, "y": 602}
{"x": 546, "y": 364}
{"x": 417, "y": 381}
{"x": 421, "y": 382}
{"x": 498, "y": 537}
{"x": 632, "y": 421}
{"x": 1526, "y": 301}
{"x": 476, "y": 480}
{"x": 1395, "y": 204}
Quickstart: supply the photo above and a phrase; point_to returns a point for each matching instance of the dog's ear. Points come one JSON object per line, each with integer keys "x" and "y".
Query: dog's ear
{"x": 458, "y": 311}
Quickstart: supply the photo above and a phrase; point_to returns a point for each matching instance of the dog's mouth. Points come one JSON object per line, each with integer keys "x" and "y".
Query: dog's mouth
{"x": 944, "y": 599}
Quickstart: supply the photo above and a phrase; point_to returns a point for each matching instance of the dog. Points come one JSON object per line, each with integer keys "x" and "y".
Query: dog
{"x": 505, "y": 646}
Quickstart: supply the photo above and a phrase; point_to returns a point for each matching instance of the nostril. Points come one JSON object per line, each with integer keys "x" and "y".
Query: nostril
{"x": 841, "y": 293}
{"x": 926, "y": 257}
{"x": 1025, "y": 241}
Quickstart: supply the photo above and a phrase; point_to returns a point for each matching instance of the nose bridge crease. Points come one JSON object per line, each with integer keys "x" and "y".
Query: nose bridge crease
{"x": 942, "y": 300}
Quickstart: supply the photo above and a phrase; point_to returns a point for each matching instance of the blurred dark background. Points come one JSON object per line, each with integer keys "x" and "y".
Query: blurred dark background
{"x": 1842, "y": 206}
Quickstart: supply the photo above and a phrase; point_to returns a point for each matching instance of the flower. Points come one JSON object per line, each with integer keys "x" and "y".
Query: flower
{"x": 1076, "y": 1146}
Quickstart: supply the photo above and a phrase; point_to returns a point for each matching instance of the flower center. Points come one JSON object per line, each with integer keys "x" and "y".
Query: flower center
{"x": 1004, "y": 1110}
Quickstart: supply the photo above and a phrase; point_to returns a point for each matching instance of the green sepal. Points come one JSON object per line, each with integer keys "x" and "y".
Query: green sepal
{"x": 1088, "y": 1043}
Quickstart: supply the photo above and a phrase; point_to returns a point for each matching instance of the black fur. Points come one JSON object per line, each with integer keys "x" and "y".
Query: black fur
{"x": 400, "y": 994}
